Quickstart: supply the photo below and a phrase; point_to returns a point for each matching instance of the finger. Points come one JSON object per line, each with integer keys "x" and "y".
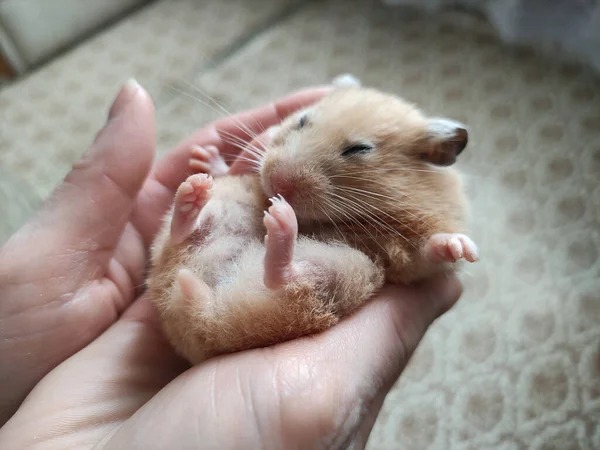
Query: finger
{"x": 113, "y": 171}
{"x": 93, "y": 392}
{"x": 241, "y": 164}
{"x": 54, "y": 298}
{"x": 382, "y": 336}
{"x": 242, "y": 127}
{"x": 171, "y": 170}
{"x": 87, "y": 213}
{"x": 323, "y": 389}
{"x": 359, "y": 360}
{"x": 410, "y": 321}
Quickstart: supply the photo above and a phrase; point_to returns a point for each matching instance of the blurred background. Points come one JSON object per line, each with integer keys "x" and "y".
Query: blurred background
{"x": 516, "y": 365}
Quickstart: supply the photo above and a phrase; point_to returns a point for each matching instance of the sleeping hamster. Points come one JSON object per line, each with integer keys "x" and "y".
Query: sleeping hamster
{"x": 354, "y": 191}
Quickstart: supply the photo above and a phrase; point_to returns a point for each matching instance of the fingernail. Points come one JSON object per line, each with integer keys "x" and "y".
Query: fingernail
{"x": 128, "y": 92}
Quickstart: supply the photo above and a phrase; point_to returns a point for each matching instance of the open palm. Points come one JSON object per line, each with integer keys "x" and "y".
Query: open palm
{"x": 83, "y": 348}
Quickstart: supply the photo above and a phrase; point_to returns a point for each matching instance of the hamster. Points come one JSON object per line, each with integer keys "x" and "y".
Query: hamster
{"x": 352, "y": 192}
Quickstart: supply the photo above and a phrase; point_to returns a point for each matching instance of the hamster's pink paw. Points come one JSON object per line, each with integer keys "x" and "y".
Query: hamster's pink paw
{"x": 282, "y": 230}
{"x": 190, "y": 198}
{"x": 191, "y": 287}
{"x": 442, "y": 248}
{"x": 208, "y": 160}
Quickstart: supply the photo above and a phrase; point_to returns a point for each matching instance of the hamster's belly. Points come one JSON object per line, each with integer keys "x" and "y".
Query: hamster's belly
{"x": 225, "y": 230}
{"x": 217, "y": 260}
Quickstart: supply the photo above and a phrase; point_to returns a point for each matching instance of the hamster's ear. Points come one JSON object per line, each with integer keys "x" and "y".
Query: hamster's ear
{"x": 345, "y": 81}
{"x": 447, "y": 139}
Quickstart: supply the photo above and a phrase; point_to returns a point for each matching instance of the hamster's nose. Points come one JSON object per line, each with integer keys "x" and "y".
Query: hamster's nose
{"x": 282, "y": 184}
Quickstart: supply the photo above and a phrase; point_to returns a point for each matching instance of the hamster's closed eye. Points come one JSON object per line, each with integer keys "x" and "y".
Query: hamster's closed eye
{"x": 302, "y": 121}
{"x": 355, "y": 149}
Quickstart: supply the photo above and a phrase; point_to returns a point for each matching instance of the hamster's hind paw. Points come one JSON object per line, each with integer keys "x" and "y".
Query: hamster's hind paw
{"x": 192, "y": 287}
{"x": 441, "y": 248}
{"x": 282, "y": 231}
{"x": 208, "y": 160}
{"x": 190, "y": 198}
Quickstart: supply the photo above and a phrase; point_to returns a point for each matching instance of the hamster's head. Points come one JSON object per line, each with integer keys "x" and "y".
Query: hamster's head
{"x": 357, "y": 146}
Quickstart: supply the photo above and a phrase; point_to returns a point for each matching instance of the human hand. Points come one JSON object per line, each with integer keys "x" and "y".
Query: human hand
{"x": 66, "y": 277}
{"x": 71, "y": 271}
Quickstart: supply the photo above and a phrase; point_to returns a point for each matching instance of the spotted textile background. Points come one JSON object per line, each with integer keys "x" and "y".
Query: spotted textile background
{"x": 516, "y": 365}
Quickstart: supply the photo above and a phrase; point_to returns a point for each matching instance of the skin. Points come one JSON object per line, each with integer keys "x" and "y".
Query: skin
{"x": 84, "y": 364}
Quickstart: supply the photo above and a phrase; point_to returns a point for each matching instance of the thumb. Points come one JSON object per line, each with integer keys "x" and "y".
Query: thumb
{"x": 89, "y": 210}
{"x": 382, "y": 338}
{"x": 96, "y": 198}
{"x": 379, "y": 338}
{"x": 386, "y": 332}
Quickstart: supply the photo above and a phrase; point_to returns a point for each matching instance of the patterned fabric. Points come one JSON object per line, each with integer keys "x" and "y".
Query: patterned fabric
{"x": 50, "y": 117}
{"x": 516, "y": 364}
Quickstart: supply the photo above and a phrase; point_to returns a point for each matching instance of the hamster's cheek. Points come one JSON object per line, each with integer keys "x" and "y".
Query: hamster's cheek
{"x": 275, "y": 135}
{"x": 274, "y": 131}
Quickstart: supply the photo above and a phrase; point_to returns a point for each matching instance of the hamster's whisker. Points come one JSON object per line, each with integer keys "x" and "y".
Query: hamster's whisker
{"x": 361, "y": 213}
{"x": 331, "y": 164}
{"x": 250, "y": 160}
{"x": 350, "y": 177}
{"x": 362, "y": 207}
{"x": 362, "y": 210}
{"x": 244, "y": 148}
{"x": 250, "y": 148}
{"x": 255, "y": 166}
{"x": 199, "y": 100}
{"x": 245, "y": 129}
{"x": 224, "y": 110}
{"x": 241, "y": 126}
{"x": 256, "y": 162}
{"x": 234, "y": 136}
{"x": 242, "y": 142}
{"x": 261, "y": 126}
{"x": 393, "y": 201}
{"x": 371, "y": 170}
{"x": 367, "y": 204}
{"x": 386, "y": 199}
{"x": 353, "y": 221}
{"x": 239, "y": 145}
{"x": 465, "y": 273}
{"x": 235, "y": 141}
{"x": 389, "y": 200}
{"x": 340, "y": 216}
{"x": 364, "y": 181}
{"x": 258, "y": 151}
{"x": 209, "y": 97}
{"x": 333, "y": 222}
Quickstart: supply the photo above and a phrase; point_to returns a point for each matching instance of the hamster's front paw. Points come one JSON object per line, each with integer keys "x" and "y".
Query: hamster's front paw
{"x": 190, "y": 198}
{"x": 441, "y": 248}
{"x": 208, "y": 160}
{"x": 282, "y": 231}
